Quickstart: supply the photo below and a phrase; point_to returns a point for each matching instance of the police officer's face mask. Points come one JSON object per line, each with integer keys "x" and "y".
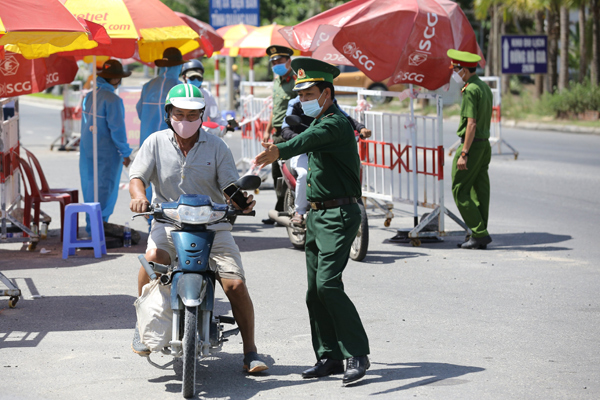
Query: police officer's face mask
{"x": 195, "y": 80}
{"x": 456, "y": 76}
{"x": 280, "y": 69}
{"x": 312, "y": 107}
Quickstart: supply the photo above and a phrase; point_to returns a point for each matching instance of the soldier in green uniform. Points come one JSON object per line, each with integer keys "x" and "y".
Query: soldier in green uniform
{"x": 470, "y": 180}
{"x": 283, "y": 85}
{"x": 333, "y": 186}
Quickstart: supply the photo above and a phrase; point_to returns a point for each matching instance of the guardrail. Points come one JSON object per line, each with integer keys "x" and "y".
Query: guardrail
{"x": 402, "y": 162}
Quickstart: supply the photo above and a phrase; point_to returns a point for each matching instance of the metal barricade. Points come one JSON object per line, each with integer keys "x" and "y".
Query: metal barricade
{"x": 496, "y": 122}
{"x": 10, "y": 187}
{"x": 256, "y": 114}
{"x": 70, "y": 117}
{"x": 403, "y": 162}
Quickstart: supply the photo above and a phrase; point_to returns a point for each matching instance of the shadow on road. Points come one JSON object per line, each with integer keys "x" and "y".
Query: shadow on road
{"x": 389, "y": 257}
{"x": 221, "y": 376}
{"x": 23, "y": 259}
{"x": 528, "y": 241}
{"x": 28, "y": 323}
{"x": 427, "y": 373}
{"x": 248, "y": 243}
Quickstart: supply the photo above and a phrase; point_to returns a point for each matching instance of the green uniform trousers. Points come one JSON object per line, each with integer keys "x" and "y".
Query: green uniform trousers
{"x": 336, "y": 328}
{"x": 471, "y": 187}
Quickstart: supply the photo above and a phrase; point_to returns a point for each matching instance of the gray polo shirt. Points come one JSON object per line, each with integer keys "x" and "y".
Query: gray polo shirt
{"x": 208, "y": 168}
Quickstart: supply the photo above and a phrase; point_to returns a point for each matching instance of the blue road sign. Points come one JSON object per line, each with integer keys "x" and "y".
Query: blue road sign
{"x": 525, "y": 54}
{"x": 233, "y": 12}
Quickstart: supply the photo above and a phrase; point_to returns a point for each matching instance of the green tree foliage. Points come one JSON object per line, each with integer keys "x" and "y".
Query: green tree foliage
{"x": 284, "y": 12}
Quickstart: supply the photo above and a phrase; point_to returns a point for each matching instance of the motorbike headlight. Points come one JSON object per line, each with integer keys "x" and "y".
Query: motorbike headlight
{"x": 194, "y": 215}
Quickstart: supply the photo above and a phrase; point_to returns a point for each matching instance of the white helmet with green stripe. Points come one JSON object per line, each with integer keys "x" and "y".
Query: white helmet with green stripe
{"x": 185, "y": 96}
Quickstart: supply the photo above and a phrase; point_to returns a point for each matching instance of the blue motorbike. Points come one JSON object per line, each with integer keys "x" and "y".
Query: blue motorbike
{"x": 196, "y": 331}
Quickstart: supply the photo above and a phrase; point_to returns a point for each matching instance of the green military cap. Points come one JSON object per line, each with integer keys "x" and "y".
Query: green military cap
{"x": 275, "y": 52}
{"x": 309, "y": 72}
{"x": 463, "y": 58}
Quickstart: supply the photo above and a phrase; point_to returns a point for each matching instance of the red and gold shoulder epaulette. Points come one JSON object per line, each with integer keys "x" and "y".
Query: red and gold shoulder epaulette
{"x": 464, "y": 88}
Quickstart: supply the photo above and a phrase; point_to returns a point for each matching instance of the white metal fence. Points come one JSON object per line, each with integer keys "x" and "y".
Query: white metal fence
{"x": 402, "y": 162}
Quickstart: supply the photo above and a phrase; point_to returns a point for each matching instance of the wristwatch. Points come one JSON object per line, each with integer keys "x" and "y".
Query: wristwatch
{"x": 464, "y": 154}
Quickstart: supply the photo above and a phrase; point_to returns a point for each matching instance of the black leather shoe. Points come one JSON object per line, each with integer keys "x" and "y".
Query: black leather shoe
{"x": 324, "y": 367}
{"x": 268, "y": 221}
{"x": 356, "y": 367}
{"x": 477, "y": 243}
{"x": 467, "y": 238}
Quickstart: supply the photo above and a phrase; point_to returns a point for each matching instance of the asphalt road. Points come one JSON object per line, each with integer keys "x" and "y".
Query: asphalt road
{"x": 518, "y": 321}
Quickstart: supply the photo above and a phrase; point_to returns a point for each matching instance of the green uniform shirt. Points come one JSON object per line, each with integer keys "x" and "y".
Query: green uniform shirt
{"x": 282, "y": 94}
{"x": 333, "y": 162}
{"x": 476, "y": 103}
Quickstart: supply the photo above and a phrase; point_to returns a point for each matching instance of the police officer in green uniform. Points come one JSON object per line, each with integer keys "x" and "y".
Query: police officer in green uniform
{"x": 283, "y": 85}
{"x": 470, "y": 180}
{"x": 333, "y": 186}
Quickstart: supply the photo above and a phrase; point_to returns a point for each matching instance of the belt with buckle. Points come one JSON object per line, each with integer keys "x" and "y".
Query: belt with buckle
{"x": 462, "y": 140}
{"x": 324, "y": 205}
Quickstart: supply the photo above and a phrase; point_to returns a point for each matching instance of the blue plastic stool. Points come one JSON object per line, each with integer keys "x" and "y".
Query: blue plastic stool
{"x": 70, "y": 242}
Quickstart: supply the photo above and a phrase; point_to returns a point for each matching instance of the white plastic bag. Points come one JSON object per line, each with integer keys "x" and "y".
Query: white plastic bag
{"x": 154, "y": 315}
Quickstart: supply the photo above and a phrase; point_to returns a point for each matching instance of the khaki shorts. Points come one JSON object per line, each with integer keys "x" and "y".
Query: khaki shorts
{"x": 225, "y": 257}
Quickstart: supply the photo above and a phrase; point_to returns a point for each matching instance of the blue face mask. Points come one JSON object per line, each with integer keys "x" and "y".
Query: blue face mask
{"x": 312, "y": 107}
{"x": 194, "y": 81}
{"x": 280, "y": 69}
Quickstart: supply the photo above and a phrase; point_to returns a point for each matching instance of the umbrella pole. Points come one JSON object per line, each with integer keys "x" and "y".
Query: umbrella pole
{"x": 95, "y": 131}
{"x": 413, "y": 138}
{"x": 229, "y": 82}
{"x": 217, "y": 79}
{"x": 251, "y": 75}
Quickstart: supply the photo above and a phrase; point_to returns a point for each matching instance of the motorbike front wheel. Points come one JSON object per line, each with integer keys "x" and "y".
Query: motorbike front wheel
{"x": 358, "y": 251}
{"x": 297, "y": 235}
{"x": 190, "y": 350}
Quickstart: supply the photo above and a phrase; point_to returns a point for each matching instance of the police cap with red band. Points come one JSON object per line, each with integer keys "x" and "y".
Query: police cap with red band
{"x": 463, "y": 58}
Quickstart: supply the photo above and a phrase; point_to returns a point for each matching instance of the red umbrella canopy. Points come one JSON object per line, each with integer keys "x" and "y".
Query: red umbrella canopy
{"x": 404, "y": 41}
{"x": 210, "y": 40}
{"x": 19, "y": 76}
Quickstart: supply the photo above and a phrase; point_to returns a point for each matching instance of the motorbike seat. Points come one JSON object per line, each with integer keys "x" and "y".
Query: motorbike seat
{"x": 288, "y": 165}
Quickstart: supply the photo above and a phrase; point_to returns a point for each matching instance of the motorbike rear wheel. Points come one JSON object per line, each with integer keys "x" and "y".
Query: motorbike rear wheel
{"x": 297, "y": 235}
{"x": 190, "y": 347}
{"x": 359, "y": 248}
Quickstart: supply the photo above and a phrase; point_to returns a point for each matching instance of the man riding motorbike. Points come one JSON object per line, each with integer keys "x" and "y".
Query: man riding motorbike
{"x": 186, "y": 160}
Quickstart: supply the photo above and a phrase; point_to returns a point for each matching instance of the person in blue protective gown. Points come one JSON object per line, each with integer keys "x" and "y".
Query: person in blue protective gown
{"x": 150, "y": 107}
{"x": 113, "y": 149}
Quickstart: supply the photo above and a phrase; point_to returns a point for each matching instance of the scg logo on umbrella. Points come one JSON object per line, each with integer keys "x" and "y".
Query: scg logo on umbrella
{"x": 409, "y": 76}
{"x": 10, "y": 88}
{"x": 351, "y": 49}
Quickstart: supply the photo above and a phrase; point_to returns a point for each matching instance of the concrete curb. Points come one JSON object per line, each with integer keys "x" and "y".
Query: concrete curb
{"x": 541, "y": 126}
{"x": 550, "y": 127}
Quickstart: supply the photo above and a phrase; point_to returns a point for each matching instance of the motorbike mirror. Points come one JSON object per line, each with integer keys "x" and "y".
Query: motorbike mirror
{"x": 248, "y": 182}
{"x": 232, "y": 122}
{"x": 293, "y": 120}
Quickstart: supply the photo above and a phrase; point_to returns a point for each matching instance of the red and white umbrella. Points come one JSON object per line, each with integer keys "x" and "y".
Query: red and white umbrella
{"x": 405, "y": 41}
{"x": 20, "y": 76}
{"x": 210, "y": 40}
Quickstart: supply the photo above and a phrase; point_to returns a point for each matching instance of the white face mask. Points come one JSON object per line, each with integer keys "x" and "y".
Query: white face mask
{"x": 312, "y": 107}
{"x": 457, "y": 77}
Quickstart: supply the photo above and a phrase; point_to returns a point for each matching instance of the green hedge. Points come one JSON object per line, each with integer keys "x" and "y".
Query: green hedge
{"x": 579, "y": 98}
